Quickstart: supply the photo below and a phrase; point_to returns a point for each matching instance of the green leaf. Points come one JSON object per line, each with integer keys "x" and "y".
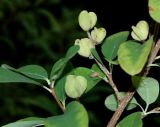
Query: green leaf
{"x": 34, "y": 71}
{"x": 111, "y": 45}
{"x": 112, "y": 104}
{"x": 85, "y": 72}
{"x": 72, "y": 51}
{"x": 96, "y": 55}
{"x": 5, "y": 66}
{"x": 7, "y": 76}
{"x": 58, "y": 68}
{"x": 97, "y": 70}
{"x": 75, "y": 116}
{"x": 154, "y": 9}
{"x": 27, "y": 122}
{"x": 147, "y": 88}
{"x": 132, "y": 120}
{"x": 132, "y": 56}
{"x": 60, "y": 89}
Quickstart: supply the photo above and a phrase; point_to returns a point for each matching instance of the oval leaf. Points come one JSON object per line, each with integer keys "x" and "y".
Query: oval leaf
{"x": 132, "y": 120}
{"x": 147, "y": 88}
{"x": 132, "y": 56}
{"x": 60, "y": 89}
{"x": 154, "y": 9}
{"x": 28, "y": 122}
{"x": 34, "y": 71}
{"x": 72, "y": 51}
{"x": 58, "y": 68}
{"x": 111, "y": 44}
{"x": 96, "y": 55}
{"x": 75, "y": 116}
{"x": 7, "y": 76}
{"x": 112, "y": 104}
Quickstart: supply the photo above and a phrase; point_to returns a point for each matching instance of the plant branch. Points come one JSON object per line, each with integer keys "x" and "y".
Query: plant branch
{"x": 110, "y": 80}
{"x": 130, "y": 93}
{"x": 57, "y": 100}
{"x": 106, "y": 72}
{"x": 121, "y": 108}
{"x": 153, "y": 54}
{"x": 155, "y": 110}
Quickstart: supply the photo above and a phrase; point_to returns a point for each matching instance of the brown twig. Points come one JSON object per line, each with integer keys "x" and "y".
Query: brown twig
{"x": 153, "y": 54}
{"x": 110, "y": 80}
{"x": 124, "y": 101}
{"x": 130, "y": 93}
{"x": 57, "y": 100}
{"x": 121, "y": 108}
{"x": 106, "y": 72}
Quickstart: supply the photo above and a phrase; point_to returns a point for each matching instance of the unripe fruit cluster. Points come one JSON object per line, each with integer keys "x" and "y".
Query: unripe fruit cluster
{"x": 140, "y": 31}
{"x": 87, "y": 21}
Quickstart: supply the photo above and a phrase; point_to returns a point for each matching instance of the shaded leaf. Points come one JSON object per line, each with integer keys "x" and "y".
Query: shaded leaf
{"x": 72, "y": 51}
{"x": 111, "y": 44}
{"x": 147, "y": 88}
{"x": 34, "y": 71}
{"x": 5, "y": 66}
{"x": 7, "y": 76}
{"x": 57, "y": 68}
{"x": 75, "y": 116}
{"x": 60, "y": 89}
{"x": 28, "y": 122}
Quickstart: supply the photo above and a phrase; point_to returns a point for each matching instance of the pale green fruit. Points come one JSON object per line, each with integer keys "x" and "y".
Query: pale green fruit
{"x": 85, "y": 45}
{"x": 98, "y": 34}
{"x": 87, "y": 20}
{"x": 75, "y": 86}
{"x": 140, "y": 31}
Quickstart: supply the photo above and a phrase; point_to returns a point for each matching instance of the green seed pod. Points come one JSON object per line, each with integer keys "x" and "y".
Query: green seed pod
{"x": 98, "y": 34}
{"x": 140, "y": 31}
{"x": 75, "y": 86}
{"x": 87, "y": 20}
{"x": 85, "y": 45}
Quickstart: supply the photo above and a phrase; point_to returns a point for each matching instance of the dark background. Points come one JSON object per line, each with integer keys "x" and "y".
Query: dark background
{"x": 40, "y": 32}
